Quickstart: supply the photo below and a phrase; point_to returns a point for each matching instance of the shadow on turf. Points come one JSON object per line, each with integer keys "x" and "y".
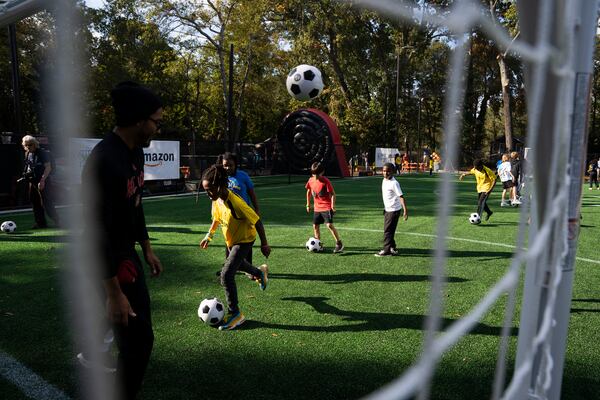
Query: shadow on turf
{"x": 349, "y": 251}
{"x": 369, "y": 277}
{"x": 579, "y": 310}
{"x": 367, "y": 321}
{"x": 174, "y": 230}
{"x": 39, "y": 239}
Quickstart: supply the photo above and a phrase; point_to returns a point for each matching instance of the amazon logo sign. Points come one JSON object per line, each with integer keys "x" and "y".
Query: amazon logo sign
{"x": 161, "y": 160}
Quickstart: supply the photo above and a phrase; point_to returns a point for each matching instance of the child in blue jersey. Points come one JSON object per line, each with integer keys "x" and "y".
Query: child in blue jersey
{"x": 239, "y": 181}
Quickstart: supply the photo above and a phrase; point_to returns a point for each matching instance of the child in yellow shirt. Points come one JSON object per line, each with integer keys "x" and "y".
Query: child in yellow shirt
{"x": 240, "y": 224}
{"x": 486, "y": 180}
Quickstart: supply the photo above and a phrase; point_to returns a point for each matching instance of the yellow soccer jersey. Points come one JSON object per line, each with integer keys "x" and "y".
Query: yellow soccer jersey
{"x": 485, "y": 179}
{"x": 236, "y": 218}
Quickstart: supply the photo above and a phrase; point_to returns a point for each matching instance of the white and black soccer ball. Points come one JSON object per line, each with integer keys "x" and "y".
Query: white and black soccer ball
{"x": 304, "y": 82}
{"x": 475, "y": 219}
{"x": 8, "y": 227}
{"x": 314, "y": 245}
{"x": 211, "y": 311}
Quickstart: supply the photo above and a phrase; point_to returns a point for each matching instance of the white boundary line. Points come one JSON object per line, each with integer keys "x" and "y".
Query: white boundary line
{"x": 30, "y": 384}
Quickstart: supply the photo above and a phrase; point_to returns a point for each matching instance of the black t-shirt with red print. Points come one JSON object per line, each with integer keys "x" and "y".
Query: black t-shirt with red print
{"x": 114, "y": 176}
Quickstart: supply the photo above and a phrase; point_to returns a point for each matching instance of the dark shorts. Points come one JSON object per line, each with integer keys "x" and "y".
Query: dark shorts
{"x": 508, "y": 184}
{"x": 321, "y": 217}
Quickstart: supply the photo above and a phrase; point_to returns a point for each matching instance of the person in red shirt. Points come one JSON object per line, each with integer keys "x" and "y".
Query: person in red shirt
{"x": 320, "y": 189}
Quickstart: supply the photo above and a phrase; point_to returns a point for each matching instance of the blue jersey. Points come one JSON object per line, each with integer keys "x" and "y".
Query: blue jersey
{"x": 240, "y": 183}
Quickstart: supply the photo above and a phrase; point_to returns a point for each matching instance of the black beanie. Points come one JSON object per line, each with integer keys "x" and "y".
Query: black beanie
{"x": 133, "y": 103}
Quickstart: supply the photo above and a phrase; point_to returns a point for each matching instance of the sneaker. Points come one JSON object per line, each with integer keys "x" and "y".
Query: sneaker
{"x": 504, "y": 204}
{"x": 37, "y": 226}
{"x": 339, "y": 246}
{"x": 393, "y": 252}
{"x": 590, "y": 188}
{"x": 488, "y": 215}
{"x": 264, "y": 276}
{"x": 515, "y": 202}
{"x": 383, "y": 253}
{"x": 232, "y": 321}
{"x": 88, "y": 364}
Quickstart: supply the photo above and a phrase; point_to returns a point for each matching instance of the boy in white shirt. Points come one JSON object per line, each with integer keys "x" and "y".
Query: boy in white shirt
{"x": 393, "y": 202}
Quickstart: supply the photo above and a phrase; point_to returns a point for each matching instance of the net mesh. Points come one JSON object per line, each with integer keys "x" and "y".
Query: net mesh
{"x": 549, "y": 224}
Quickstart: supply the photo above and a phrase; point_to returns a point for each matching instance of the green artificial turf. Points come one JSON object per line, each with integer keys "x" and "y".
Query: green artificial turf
{"x": 329, "y": 326}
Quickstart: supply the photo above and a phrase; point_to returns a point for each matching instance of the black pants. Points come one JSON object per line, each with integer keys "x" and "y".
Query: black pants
{"x": 482, "y": 203}
{"x": 42, "y": 203}
{"x": 593, "y": 179}
{"x": 390, "y": 222}
{"x": 236, "y": 261}
{"x": 135, "y": 340}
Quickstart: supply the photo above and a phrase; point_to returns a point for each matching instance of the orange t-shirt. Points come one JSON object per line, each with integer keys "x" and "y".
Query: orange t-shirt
{"x": 321, "y": 190}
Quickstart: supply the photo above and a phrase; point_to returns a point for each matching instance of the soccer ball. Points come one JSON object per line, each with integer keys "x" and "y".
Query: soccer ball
{"x": 475, "y": 219}
{"x": 8, "y": 227}
{"x": 211, "y": 311}
{"x": 304, "y": 82}
{"x": 314, "y": 245}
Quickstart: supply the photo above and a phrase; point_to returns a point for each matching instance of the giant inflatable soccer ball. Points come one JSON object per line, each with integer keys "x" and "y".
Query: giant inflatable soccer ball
{"x": 304, "y": 82}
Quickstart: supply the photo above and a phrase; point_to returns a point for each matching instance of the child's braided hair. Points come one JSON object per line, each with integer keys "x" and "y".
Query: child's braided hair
{"x": 216, "y": 176}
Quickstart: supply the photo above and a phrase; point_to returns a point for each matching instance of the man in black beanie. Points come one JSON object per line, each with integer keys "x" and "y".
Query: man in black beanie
{"x": 114, "y": 179}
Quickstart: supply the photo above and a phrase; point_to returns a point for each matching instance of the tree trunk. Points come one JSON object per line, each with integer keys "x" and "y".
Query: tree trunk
{"x": 505, "y": 103}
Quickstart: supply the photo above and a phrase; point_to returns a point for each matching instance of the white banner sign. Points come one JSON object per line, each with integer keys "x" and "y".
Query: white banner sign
{"x": 161, "y": 159}
{"x": 384, "y": 155}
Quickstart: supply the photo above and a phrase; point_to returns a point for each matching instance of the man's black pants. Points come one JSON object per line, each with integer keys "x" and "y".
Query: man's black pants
{"x": 42, "y": 203}
{"x": 135, "y": 340}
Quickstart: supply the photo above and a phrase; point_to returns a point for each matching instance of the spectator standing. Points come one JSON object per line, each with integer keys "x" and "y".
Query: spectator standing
{"x": 37, "y": 173}
{"x": 593, "y": 171}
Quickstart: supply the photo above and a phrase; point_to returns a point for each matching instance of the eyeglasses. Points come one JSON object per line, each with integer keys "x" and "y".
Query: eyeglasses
{"x": 157, "y": 122}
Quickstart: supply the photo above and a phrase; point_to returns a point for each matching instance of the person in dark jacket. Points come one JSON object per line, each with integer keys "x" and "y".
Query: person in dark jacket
{"x": 113, "y": 177}
{"x": 37, "y": 173}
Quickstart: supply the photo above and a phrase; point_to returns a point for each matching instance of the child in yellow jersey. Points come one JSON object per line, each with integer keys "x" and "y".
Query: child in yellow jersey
{"x": 239, "y": 224}
{"x": 486, "y": 180}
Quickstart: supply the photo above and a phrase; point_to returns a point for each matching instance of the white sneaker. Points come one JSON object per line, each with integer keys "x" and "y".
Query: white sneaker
{"x": 504, "y": 204}
{"x": 393, "y": 252}
{"x": 88, "y": 364}
{"x": 515, "y": 202}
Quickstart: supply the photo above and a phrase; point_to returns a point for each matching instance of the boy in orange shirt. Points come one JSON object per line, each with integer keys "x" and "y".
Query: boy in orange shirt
{"x": 320, "y": 189}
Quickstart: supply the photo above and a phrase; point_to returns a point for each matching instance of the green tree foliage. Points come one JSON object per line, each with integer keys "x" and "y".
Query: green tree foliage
{"x": 385, "y": 79}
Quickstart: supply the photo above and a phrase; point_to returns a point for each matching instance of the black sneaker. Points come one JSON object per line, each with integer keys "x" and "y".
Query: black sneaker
{"x": 383, "y": 253}
{"x": 339, "y": 246}
{"x": 488, "y": 215}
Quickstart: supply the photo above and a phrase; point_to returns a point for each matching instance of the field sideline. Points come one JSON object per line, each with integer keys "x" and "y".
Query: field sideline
{"x": 343, "y": 325}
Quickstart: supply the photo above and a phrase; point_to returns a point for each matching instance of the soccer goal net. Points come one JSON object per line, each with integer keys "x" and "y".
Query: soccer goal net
{"x": 555, "y": 44}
